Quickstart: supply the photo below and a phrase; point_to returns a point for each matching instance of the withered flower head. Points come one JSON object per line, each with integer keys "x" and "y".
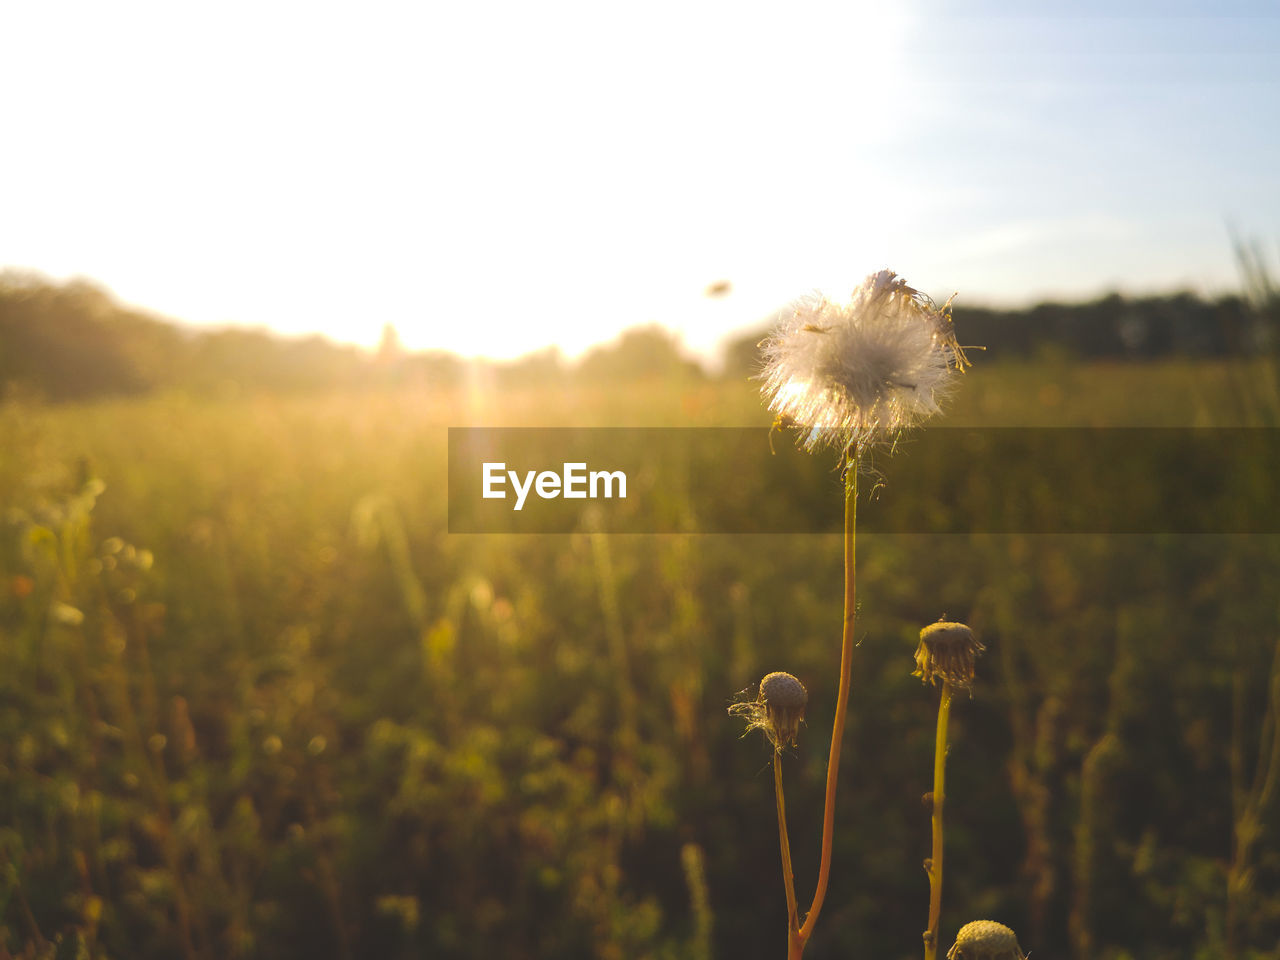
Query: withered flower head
{"x": 777, "y": 710}
{"x": 946, "y": 652}
{"x": 986, "y": 940}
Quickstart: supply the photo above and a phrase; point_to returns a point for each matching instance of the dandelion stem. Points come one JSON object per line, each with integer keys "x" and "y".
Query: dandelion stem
{"x": 939, "y": 800}
{"x": 788, "y": 875}
{"x": 842, "y": 699}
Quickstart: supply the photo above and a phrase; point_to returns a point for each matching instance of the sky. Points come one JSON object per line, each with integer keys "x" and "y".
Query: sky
{"x": 495, "y": 178}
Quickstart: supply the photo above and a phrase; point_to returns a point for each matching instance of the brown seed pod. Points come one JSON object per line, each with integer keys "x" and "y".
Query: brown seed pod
{"x": 986, "y": 940}
{"x": 778, "y": 709}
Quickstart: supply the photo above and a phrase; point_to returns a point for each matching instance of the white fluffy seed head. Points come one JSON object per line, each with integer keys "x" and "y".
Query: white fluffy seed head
{"x": 849, "y": 374}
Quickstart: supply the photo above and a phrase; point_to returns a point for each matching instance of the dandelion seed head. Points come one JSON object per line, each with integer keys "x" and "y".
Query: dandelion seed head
{"x": 986, "y": 940}
{"x": 947, "y": 652}
{"x": 849, "y": 374}
{"x": 778, "y": 709}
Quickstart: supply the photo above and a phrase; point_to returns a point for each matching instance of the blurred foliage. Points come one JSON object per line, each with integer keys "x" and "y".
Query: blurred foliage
{"x": 1110, "y": 328}
{"x": 1257, "y": 396}
{"x": 255, "y": 702}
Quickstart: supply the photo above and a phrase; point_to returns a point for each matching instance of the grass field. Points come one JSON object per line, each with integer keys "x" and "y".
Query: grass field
{"x": 255, "y": 701}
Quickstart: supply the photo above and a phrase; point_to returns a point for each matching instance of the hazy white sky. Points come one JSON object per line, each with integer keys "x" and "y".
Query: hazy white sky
{"x": 496, "y": 177}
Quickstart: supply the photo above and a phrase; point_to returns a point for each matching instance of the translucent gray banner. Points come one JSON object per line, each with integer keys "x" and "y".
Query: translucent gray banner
{"x": 942, "y": 480}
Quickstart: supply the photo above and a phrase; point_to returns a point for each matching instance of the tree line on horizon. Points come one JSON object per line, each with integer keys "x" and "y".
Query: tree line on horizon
{"x": 73, "y": 341}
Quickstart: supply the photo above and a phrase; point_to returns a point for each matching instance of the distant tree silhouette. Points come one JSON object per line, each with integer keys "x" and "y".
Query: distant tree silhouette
{"x": 639, "y": 352}
{"x": 73, "y": 341}
{"x": 533, "y": 369}
{"x": 1113, "y": 327}
{"x": 390, "y": 349}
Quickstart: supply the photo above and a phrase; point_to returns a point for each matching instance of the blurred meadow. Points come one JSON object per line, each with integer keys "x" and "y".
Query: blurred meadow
{"x": 255, "y": 701}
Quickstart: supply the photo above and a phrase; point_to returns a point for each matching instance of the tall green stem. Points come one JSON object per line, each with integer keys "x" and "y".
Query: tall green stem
{"x": 788, "y": 875}
{"x": 842, "y": 701}
{"x": 939, "y": 801}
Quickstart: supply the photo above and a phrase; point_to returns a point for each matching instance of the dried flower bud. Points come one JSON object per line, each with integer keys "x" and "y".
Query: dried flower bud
{"x": 986, "y": 940}
{"x": 947, "y": 652}
{"x": 777, "y": 710}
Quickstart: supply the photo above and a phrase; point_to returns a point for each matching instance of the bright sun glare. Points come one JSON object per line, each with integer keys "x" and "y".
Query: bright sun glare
{"x": 493, "y": 179}
{"x": 487, "y": 184}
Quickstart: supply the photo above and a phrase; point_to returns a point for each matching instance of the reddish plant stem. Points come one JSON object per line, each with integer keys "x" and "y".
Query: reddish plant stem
{"x": 842, "y": 701}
